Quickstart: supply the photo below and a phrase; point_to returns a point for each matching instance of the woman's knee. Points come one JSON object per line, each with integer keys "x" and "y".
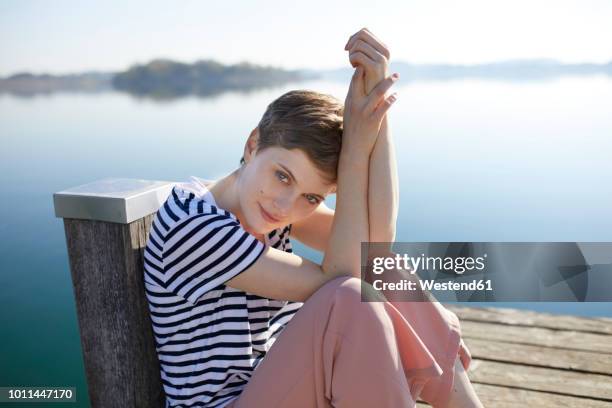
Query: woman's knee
{"x": 352, "y": 290}
{"x": 348, "y": 289}
{"x": 353, "y": 294}
{"x": 354, "y": 316}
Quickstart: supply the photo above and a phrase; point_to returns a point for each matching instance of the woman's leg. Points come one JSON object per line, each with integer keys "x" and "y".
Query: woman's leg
{"x": 462, "y": 394}
{"x": 341, "y": 352}
{"x": 440, "y": 330}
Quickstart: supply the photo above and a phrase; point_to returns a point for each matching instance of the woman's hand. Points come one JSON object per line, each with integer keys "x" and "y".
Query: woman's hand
{"x": 369, "y": 52}
{"x": 364, "y": 112}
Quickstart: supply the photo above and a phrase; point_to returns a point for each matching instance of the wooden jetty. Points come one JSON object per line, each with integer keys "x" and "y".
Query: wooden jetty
{"x": 528, "y": 359}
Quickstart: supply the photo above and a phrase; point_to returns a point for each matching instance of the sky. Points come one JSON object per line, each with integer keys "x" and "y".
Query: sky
{"x": 73, "y": 36}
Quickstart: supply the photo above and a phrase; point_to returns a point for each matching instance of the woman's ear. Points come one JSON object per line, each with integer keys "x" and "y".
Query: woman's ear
{"x": 250, "y": 147}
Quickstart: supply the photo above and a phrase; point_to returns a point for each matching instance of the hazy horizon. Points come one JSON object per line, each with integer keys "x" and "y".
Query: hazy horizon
{"x": 71, "y": 37}
{"x": 323, "y": 70}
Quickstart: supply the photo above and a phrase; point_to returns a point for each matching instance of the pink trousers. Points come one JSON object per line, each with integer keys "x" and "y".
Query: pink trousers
{"x": 338, "y": 351}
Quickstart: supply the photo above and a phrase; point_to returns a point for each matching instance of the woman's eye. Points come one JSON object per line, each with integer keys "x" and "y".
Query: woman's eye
{"x": 281, "y": 176}
{"x": 312, "y": 199}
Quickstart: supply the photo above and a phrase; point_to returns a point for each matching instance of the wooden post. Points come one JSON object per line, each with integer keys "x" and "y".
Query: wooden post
{"x": 107, "y": 224}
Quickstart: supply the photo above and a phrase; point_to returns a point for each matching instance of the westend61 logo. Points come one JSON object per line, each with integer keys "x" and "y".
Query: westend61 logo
{"x": 458, "y": 265}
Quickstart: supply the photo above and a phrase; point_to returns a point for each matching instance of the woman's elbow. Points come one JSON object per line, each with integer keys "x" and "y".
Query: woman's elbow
{"x": 386, "y": 234}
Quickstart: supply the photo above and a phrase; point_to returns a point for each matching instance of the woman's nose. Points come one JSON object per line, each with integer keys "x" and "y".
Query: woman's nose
{"x": 283, "y": 204}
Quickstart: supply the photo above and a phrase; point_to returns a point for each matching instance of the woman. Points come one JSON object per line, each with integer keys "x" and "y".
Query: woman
{"x": 241, "y": 321}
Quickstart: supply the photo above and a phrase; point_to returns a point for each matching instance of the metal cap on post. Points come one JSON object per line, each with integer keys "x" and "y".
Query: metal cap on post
{"x": 107, "y": 223}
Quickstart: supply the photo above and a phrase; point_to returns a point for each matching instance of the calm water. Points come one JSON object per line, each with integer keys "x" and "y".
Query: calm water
{"x": 478, "y": 161}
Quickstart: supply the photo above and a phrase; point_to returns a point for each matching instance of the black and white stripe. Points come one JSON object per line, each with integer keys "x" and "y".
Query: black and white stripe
{"x": 209, "y": 337}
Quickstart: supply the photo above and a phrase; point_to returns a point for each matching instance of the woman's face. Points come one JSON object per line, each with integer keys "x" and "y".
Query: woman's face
{"x": 278, "y": 187}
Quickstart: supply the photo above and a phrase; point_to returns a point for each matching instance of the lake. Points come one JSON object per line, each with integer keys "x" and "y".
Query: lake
{"x": 478, "y": 160}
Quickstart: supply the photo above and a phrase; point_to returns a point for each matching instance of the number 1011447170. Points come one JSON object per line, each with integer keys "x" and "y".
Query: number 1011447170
{"x": 23, "y": 394}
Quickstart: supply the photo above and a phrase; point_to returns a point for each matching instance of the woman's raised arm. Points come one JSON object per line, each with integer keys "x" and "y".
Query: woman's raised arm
{"x": 363, "y": 114}
{"x": 383, "y": 192}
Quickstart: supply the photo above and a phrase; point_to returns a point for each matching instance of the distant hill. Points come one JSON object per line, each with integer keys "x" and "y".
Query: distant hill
{"x": 165, "y": 78}
{"x": 26, "y": 84}
{"x": 160, "y": 78}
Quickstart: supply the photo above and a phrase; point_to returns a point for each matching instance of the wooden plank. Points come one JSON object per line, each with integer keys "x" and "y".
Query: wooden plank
{"x": 504, "y": 397}
{"x": 536, "y": 336}
{"x": 517, "y": 317}
{"x": 541, "y": 356}
{"x": 501, "y": 397}
{"x": 561, "y": 382}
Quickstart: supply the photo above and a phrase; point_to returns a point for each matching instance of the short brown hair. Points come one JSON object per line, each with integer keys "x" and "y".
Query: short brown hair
{"x": 305, "y": 120}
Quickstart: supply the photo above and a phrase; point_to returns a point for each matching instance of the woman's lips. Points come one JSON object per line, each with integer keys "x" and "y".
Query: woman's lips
{"x": 266, "y": 215}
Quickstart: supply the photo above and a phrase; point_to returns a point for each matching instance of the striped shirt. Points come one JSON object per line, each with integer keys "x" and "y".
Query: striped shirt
{"x": 209, "y": 337}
